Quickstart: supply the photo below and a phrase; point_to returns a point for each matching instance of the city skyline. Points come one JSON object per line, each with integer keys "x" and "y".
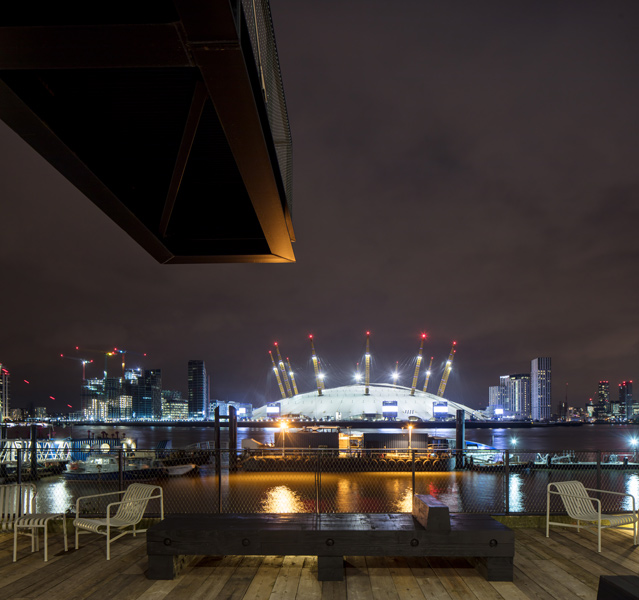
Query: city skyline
{"x": 472, "y": 177}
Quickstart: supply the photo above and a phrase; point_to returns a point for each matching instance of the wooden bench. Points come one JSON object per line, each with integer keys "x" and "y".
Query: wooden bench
{"x": 429, "y": 531}
{"x": 618, "y": 587}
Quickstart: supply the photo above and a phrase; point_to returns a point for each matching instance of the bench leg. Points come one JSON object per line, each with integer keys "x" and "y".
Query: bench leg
{"x": 163, "y": 566}
{"x": 330, "y": 568}
{"x": 499, "y": 568}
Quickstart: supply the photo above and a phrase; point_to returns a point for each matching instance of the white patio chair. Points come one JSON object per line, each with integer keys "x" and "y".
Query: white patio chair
{"x": 586, "y": 510}
{"x": 130, "y": 510}
{"x": 16, "y": 500}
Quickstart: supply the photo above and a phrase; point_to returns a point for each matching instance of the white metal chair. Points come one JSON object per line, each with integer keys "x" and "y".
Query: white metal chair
{"x": 130, "y": 510}
{"x": 16, "y": 500}
{"x": 586, "y": 510}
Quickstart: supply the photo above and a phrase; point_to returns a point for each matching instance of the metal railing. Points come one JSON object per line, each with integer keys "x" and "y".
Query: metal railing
{"x": 201, "y": 480}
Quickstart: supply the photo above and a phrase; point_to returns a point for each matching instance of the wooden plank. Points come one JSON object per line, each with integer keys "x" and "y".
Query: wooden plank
{"x": 382, "y": 585}
{"x": 452, "y": 582}
{"x": 310, "y": 588}
{"x": 553, "y": 585}
{"x": 262, "y": 584}
{"x": 288, "y": 579}
{"x": 476, "y": 582}
{"x": 526, "y": 582}
{"x": 240, "y": 579}
{"x": 224, "y": 569}
{"x": 403, "y": 578}
{"x": 427, "y": 579}
{"x": 590, "y": 558}
{"x": 358, "y": 584}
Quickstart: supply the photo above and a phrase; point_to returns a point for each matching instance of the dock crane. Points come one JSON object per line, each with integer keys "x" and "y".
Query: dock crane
{"x": 318, "y": 378}
{"x": 447, "y": 368}
{"x": 290, "y": 372}
{"x": 84, "y": 362}
{"x": 367, "y": 371}
{"x": 283, "y": 370}
{"x": 428, "y": 372}
{"x": 277, "y": 375}
{"x": 419, "y": 362}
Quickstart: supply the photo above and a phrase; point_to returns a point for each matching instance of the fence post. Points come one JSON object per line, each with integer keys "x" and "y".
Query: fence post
{"x": 412, "y": 452}
{"x": 598, "y": 471}
{"x": 507, "y": 479}
{"x": 18, "y": 465}
{"x": 120, "y": 470}
{"x": 318, "y": 481}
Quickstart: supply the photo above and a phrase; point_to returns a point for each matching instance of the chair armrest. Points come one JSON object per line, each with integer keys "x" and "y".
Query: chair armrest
{"x": 616, "y": 494}
{"x": 77, "y": 502}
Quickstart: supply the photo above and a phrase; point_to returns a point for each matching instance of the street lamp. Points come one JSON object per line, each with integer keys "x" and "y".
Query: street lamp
{"x": 283, "y": 427}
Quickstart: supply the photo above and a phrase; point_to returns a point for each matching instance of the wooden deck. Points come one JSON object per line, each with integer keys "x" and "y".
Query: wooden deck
{"x": 564, "y": 567}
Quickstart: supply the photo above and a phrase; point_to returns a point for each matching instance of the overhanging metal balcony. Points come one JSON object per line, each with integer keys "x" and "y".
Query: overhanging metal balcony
{"x": 168, "y": 114}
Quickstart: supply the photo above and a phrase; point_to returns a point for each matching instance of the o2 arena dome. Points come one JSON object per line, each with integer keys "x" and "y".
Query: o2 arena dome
{"x": 351, "y": 403}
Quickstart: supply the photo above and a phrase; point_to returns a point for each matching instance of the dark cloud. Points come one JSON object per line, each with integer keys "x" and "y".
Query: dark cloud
{"x": 463, "y": 168}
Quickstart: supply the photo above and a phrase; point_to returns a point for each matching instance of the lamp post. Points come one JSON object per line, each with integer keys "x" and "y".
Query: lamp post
{"x": 283, "y": 427}
{"x": 410, "y": 436}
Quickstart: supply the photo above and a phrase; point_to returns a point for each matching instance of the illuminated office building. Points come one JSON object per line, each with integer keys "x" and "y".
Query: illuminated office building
{"x": 540, "y": 388}
{"x": 198, "y": 390}
{"x": 625, "y": 400}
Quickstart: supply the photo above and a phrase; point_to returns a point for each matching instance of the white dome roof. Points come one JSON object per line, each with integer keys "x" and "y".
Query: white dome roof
{"x": 350, "y": 403}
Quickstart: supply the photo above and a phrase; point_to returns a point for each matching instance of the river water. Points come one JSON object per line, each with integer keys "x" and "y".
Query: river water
{"x": 535, "y": 439}
{"x": 331, "y": 491}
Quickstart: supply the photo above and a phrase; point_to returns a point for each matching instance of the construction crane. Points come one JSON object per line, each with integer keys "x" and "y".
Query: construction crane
{"x": 84, "y": 362}
{"x": 283, "y": 370}
{"x": 447, "y": 368}
{"x": 124, "y": 353}
{"x": 428, "y": 372}
{"x": 367, "y": 370}
{"x": 290, "y": 372}
{"x": 106, "y": 354}
{"x": 277, "y": 375}
{"x": 318, "y": 378}
{"x": 419, "y": 362}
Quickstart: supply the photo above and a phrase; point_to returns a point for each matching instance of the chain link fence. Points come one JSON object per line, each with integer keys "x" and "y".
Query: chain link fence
{"x": 328, "y": 480}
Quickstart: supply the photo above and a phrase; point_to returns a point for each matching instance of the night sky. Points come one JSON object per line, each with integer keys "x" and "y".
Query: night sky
{"x": 466, "y": 169}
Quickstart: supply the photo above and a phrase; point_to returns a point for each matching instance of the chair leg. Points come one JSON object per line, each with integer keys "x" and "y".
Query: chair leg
{"x": 46, "y": 540}
{"x": 15, "y": 543}
{"x": 599, "y": 536}
{"x": 77, "y": 533}
{"x": 64, "y": 530}
{"x": 108, "y": 536}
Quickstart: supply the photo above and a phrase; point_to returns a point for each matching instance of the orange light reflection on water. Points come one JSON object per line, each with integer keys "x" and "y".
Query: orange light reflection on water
{"x": 282, "y": 499}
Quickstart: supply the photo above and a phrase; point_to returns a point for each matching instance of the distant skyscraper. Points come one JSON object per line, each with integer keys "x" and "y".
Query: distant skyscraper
{"x": 198, "y": 390}
{"x": 540, "y": 388}
{"x": 603, "y": 392}
{"x": 146, "y": 394}
{"x": 503, "y": 392}
{"x": 493, "y": 395}
{"x": 518, "y": 389}
{"x": 625, "y": 399}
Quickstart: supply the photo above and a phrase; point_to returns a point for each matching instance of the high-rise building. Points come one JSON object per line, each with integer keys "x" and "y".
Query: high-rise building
{"x": 493, "y": 395}
{"x": 603, "y": 392}
{"x": 540, "y": 388}
{"x": 503, "y": 391}
{"x": 518, "y": 390}
{"x": 92, "y": 399}
{"x": 4, "y": 393}
{"x": 145, "y": 391}
{"x": 198, "y": 390}
{"x": 625, "y": 400}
